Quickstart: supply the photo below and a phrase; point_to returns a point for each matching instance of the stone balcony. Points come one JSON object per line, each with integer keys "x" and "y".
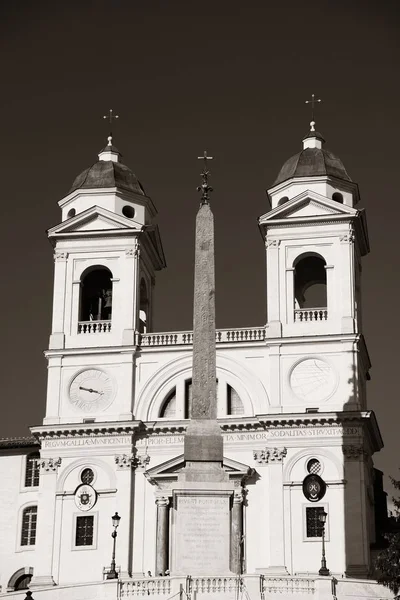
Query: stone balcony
{"x": 94, "y": 327}
{"x": 185, "y": 338}
{"x": 305, "y": 315}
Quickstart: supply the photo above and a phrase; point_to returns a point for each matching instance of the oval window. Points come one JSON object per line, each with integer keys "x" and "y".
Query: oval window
{"x": 128, "y": 211}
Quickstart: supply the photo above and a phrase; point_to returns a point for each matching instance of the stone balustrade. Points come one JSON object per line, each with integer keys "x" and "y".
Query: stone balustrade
{"x": 94, "y": 326}
{"x": 288, "y": 585}
{"x": 185, "y": 338}
{"x": 304, "y": 315}
{"x": 210, "y": 585}
{"x": 148, "y": 586}
{"x": 227, "y": 587}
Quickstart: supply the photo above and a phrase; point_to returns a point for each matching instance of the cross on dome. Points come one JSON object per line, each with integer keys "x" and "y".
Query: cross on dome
{"x": 313, "y": 101}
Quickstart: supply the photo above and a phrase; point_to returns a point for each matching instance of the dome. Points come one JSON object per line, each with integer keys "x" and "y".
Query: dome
{"x": 312, "y": 161}
{"x": 107, "y": 174}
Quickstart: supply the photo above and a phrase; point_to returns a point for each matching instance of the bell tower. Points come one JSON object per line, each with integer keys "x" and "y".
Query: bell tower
{"x": 107, "y": 249}
{"x": 315, "y": 239}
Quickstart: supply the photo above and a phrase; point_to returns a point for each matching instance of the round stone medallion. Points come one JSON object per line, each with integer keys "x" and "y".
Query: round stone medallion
{"x": 312, "y": 380}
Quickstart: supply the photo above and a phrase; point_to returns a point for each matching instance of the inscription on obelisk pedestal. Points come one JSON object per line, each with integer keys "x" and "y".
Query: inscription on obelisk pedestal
{"x": 202, "y": 534}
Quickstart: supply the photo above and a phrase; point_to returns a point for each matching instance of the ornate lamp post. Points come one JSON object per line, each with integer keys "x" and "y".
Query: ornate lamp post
{"x": 112, "y": 574}
{"x": 323, "y": 570}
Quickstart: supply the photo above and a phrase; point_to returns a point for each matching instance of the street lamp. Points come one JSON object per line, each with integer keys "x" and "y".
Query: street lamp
{"x": 112, "y": 574}
{"x": 322, "y": 519}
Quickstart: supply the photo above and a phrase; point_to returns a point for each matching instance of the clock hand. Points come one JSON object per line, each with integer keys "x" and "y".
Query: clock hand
{"x": 91, "y": 390}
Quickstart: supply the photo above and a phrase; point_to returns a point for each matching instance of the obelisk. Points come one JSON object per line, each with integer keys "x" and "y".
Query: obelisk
{"x": 203, "y": 494}
{"x": 203, "y": 443}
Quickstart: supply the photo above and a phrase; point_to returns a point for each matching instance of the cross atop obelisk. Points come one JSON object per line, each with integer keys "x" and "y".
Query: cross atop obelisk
{"x": 204, "y": 187}
{"x": 203, "y": 447}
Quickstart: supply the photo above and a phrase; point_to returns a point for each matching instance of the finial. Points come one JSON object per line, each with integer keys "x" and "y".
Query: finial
{"x": 109, "y": 139}
{"x": 312, "y": 102}
{"x": 204, "y": 188}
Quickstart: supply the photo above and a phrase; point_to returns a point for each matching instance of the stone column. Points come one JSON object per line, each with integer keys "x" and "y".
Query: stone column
{"x": 236, "y": 549}
{"x": 162, "y": 541}
{"x": 45, "y": 523}
{"x": 273, "y": 457}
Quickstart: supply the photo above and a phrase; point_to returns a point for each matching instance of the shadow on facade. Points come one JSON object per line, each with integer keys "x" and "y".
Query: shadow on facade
{"x": 365, "y": 507}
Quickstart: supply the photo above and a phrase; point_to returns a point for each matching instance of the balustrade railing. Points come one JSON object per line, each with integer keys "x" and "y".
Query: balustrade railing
{"x": 253, "y": 334}
{"x": 94, "y": 326}
{"x": 223, "y": 586}
{"x": 149, "y": 586}
{"x": 209, "y": 585}
{"x": 288, "y": 585}
{"x": 304, "y": 315}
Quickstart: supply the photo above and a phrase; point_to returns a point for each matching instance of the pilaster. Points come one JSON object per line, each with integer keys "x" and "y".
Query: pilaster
{"x": 139, "y": 521}
{"x": 355, "y": 526}
{"x": 125, "y": 463}
{"x": 272, "y": 459}
{"x": 45, "y": 524}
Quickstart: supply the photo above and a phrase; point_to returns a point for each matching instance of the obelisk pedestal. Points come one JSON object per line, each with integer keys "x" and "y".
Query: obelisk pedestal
{"x": 202, "y": 498}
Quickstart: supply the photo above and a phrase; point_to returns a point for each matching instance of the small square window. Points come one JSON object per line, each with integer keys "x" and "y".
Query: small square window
{"x": 84, "y": 532}
{"x": 313, "y": 524}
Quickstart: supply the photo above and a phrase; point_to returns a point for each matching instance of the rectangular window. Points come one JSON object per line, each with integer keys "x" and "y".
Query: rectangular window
{"x": 32, "y": 470}
{"x": 28, "y": 529}
{"x": 84, "y": 531}
{"x": 314, "y": 525}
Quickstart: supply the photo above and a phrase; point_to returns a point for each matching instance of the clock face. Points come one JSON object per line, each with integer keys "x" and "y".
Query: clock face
{"x": 91, "y": 390}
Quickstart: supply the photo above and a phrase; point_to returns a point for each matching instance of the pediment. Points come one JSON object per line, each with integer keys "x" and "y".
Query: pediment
{"x": 167, "y": 472}
{"x": 308, "y": 205}
{"x": 94, "y": 219}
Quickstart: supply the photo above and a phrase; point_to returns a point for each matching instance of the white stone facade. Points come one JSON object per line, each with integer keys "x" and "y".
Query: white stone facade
{"x": 291, "y": 398}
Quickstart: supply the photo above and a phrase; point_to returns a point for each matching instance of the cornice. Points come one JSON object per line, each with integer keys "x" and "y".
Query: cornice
{"x": 93, "y": 350}
{"x": 292, "y": 421}
{"x": 76, "y": 430}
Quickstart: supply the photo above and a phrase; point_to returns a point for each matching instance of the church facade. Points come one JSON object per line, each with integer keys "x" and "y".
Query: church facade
{"x": 298, "y": 438}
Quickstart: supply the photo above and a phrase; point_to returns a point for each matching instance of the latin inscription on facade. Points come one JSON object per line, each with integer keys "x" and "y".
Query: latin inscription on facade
{"x": 202, "y": 535}
{"x": 260, "y": 436}
{"x": 90, "y": 442}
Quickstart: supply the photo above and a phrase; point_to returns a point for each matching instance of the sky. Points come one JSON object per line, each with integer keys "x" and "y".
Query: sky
{"x": 227, "y": 77}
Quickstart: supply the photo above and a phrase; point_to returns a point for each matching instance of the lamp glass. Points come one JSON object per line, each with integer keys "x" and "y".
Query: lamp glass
{"x": 115, "y": 520}
{"x": 322, "y": 516}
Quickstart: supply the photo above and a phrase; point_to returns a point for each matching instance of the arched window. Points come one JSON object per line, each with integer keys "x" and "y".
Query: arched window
{"x": 20, "y": 579}
{"x": 310, "y": 282}
{"x": 235, "y": 405}
{"x": 28, "y": 526}
{"x": 32, "y": 468}
{"x": 96, "y": 295}
{"x": 168, "y": 410}
{"x": 23, "y": 582}
{"x": 338, "y": 197}
{"x": 144, "y": 308}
